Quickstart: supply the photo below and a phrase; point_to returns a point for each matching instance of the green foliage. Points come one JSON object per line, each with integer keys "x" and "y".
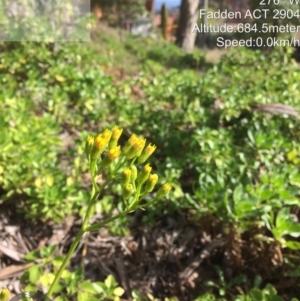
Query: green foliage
{"x": 29, "y": 161}
{"x": 156, "y": 56}
{"x": 222, "y": 286}
{"x": 269, "y": 293}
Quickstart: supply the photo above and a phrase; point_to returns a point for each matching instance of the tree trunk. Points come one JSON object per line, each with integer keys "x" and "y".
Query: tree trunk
{"x": 187, "y": 19}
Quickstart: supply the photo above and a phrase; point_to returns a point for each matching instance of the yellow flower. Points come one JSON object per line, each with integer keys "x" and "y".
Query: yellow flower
{"x": 131, "y": 141}
{"x": 106, "y": 135}
{"x": 136, "y": 149}
{"x": 163, "y": 191}
{"x": 151, "y": 182}
{"x": 116, "y": 134}
{"x": 100, "y": 143}
{"x": 144, "y": 174}
{"x": 147, "y": 152}
{"x": 112, "y": 154}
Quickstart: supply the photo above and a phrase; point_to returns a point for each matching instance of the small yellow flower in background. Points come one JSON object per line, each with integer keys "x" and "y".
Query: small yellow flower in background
{"x": 4, "y": 294}
{"x": 126, "y": 176}
{"x": 163, "y": 191}
{"x": 147, "y": 152}
{"x": 144, "y": 174}
{"x": 116, "y": 134}
{"x": 151, "y": 182}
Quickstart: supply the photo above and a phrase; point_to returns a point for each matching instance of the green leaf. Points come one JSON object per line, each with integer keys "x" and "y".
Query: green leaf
{"x": 251, "y": 137}
{"x": 238, "y": 194}
{"x": 282, "y": 216}
{"x": 88, "y": 287}
{"x": 110, "y": 281}
{"x": 295, "y": 180}
{"x": 58, "y": 260}
{"x": 47, "y": 279}
{"x": 99, "y": 287}
{"x": 34, "y": 273}
{"x": 33, "y": 255}
{"x": 265, "y": 195}
{"x": 47, "y": 251}
{"x": 66, "y": 274}
{"x": 270, "y": 290}
{"x": 30, "y": 288}
{"x": 83, "y": 296}
{"x": 293, "y": 245}
{"x": 256, "y": 295}
{"x": 118, "y": 291}
{"x": 292, "y": 154}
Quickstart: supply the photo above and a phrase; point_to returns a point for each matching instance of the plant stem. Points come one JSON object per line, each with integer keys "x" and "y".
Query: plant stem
{"x": 65, "y": 262}
{"x": 97, "y": 226}
{"x": 76, "y": 241}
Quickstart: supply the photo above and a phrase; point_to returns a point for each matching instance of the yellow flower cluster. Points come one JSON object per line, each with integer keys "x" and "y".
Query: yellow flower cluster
{"x": 134, "y": 149}
{"x": 95, "y": 146}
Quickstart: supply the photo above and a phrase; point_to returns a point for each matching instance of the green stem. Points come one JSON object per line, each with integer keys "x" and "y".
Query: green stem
{"x": 65, "y": 262}
{"x": 90, "y": 206}
{"x": 97, "y": 226}
{"x": 78, "y": 237}
{"x": 136, "y": 198}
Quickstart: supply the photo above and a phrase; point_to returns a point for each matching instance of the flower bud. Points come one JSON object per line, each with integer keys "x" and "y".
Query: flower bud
{"x": 126, "y": 176}
{"x": 127, "y": 191}
{"x": 4, "y": 294}
{"x": 133, "y": 173}
{"x": 106, "y": 135}
{"x": 136, "y": 149}
{"x": 89, "y": 144}
{"x": 131, "y": 141}
{"x": 151, "y": 182}
{"x": 116, "y": 133}
{"x": 100, "y": 143}
{"x": 163, "y": 191}
{"x": 144, "y": 174}
{"x": 147, "y": 152}
{"x": 112, "y": 154}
